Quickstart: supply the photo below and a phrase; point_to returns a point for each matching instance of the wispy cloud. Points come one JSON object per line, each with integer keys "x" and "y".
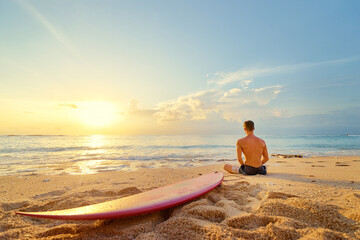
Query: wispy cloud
{"x": 246, "y": 75}
{"x": 260, "y": 96}
{"x": 49, "y": 27}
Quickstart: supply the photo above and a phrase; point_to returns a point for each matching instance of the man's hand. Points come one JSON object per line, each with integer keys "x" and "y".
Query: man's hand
{"x": 239, "y": 153}
{"x": 265, "y": 156}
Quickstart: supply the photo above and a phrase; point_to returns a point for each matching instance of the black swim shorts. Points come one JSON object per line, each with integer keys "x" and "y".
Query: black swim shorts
{"x": 248, "y": 170}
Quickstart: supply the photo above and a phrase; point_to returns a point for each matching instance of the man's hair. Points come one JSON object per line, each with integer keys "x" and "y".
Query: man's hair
{"x": 249, "y": 125}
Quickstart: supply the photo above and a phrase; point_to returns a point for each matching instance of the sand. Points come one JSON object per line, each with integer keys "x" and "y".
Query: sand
{"x": 300, "y": 198}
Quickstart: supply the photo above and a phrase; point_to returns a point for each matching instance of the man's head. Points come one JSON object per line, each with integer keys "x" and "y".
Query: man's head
{"x": 249, "y": 126}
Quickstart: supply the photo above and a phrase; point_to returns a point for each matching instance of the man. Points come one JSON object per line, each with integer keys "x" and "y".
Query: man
{"x": 255, "y": 152}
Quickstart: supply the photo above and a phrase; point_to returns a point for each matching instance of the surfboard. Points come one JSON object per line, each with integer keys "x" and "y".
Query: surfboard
{"x": 141, "y": 203}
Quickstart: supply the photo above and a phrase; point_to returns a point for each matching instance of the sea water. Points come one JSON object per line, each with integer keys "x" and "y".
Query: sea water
{"x": 97, "y": 153}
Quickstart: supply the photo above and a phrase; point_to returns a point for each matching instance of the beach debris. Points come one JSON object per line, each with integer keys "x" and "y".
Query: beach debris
{"x": 313, "y": 181}
{"x": 46, "y": 180}
{"x": 225, "y": 159}
{"x": 287, "y": 155}
{"x": 341, "y": 164}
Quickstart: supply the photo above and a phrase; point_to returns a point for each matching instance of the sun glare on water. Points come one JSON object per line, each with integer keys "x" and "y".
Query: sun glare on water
{"x": 97, "y": 114}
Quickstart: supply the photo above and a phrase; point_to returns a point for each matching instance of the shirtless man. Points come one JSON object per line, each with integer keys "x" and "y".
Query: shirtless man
{"x": 255, "y": 152}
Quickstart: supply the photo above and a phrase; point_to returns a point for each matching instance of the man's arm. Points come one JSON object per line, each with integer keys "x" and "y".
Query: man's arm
{"x": 239, "y": 153}
{"x": 265, "y": 155}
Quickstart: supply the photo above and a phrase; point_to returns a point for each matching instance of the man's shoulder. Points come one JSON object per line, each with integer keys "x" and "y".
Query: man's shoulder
{"x": 240, "y": 140}
{"x": 262, "y": 141}
{"x": 243, "y": 141}
{"x": 246, "y": 139}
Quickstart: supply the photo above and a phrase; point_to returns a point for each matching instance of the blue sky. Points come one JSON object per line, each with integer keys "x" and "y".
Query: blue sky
{"x": 180, "y": 67}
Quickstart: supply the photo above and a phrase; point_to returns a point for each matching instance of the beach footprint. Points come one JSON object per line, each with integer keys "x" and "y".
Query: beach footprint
{"x": 207, "y": 212}
{"x": 65, "y": 229}
{"x": 56, "y": 193}
{"x": 309, "y": 213}
{"x": 278, "y": 195}
{"x": 13, "y": 206}
{"x": 249, "y": 222}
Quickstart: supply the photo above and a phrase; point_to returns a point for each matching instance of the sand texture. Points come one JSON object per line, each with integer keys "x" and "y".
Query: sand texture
{"x": 300, "y": 198}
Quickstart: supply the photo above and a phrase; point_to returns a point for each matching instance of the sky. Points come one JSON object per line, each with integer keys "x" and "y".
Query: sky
{"x": 179, "y": 67}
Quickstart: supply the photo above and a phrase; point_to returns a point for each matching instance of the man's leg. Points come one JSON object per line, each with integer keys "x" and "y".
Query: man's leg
{"x": 231, "y": 168}
{"x": 263, "y": 170}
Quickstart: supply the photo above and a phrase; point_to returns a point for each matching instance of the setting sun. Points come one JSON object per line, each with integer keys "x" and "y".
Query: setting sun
{"x": 97, "y": 114}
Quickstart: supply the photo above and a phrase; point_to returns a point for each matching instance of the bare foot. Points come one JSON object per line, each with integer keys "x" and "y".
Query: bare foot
{"x": 231, "y": 168}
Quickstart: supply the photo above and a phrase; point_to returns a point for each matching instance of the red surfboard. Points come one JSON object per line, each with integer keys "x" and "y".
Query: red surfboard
{"x": 150, "y": 201}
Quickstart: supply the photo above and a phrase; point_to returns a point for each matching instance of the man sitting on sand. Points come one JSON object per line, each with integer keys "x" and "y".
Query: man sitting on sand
{"x": 255, "y": 152}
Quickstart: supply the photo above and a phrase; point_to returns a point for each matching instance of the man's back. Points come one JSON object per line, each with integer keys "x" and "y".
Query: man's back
{"x": 253, "y": 148}
{"x": 255, "y": 152}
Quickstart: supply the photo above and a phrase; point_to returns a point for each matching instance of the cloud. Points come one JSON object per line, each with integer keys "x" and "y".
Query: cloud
{"x": 233, "y": 104}
{"x": 213, "y": 124}
{"x": 245, "y": 76}
{"x": 49, "y": 27}
{"x": 133, "y": 110}
{"x": 191, "y": 107}
{"x": 261, "y": 96}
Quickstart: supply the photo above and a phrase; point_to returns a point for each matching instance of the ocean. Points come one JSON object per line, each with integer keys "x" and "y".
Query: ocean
{"x": 21, "y": 155}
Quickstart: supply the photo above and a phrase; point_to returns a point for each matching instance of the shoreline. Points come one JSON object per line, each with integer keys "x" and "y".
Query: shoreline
{"x": 84, "y": 167}
{"x": 317, "y": 198}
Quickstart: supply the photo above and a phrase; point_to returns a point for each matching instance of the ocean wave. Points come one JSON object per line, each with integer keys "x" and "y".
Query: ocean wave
{"x": 58, "y": 149}
{"x": 88, "y": 148}
{"x": 201, "y": 146}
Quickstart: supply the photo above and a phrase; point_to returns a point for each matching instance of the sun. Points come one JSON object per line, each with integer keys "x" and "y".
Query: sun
{"x": 97, "y": 114}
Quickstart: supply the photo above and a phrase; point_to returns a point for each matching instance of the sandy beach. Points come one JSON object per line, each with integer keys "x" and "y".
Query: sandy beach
{"x": 300, "y": 198}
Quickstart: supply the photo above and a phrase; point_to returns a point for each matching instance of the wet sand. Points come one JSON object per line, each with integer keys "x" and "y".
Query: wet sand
{"x": 300, "y": 198}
